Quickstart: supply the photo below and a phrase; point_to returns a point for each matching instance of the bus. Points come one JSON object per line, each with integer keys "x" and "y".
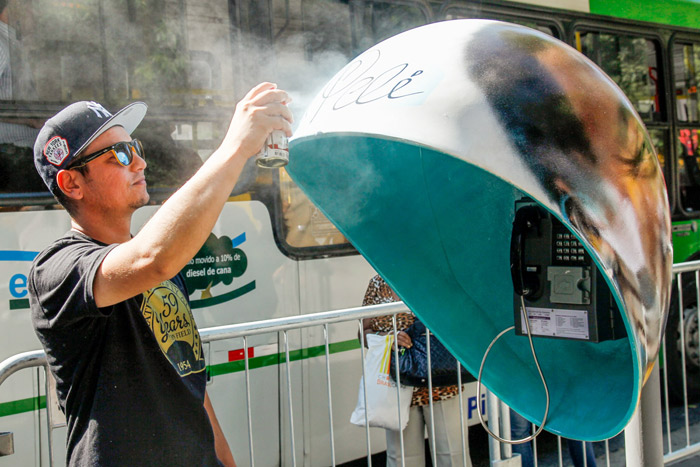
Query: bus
{"x": 273, "y": 253}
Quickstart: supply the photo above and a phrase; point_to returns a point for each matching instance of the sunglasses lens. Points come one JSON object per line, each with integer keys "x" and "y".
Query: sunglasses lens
{"x": 123, "y": 155}
{"x": 137, "y": 149}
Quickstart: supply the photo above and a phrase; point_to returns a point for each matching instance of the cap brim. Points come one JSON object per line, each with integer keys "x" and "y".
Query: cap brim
{"x": 129, "y": 118}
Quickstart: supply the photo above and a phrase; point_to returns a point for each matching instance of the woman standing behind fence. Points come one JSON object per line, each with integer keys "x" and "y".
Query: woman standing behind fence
{"x": 447, "y": 443}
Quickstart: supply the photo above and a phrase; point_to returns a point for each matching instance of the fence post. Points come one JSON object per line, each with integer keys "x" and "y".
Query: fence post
{"x": 500, "y": 455}
{"x": 643, "y": 436}
{"x": 492, "y": 404}
{"x": 651, "y": 419}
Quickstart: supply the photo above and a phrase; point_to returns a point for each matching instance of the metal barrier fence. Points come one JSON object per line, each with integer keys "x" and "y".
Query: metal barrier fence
{"x": 37, "y": 358}
{"x": 683, "y": 321}
{"x": 680, "y": 442}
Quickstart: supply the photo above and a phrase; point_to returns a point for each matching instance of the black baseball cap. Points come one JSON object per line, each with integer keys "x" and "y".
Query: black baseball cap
{"x": 65, "y": 135}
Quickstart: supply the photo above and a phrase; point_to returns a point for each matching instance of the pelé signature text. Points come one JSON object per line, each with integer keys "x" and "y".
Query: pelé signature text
{"x": 364, "y": 81}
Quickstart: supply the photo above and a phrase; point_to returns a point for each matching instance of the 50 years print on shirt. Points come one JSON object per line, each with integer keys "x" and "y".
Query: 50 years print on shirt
{"x": 167, "y": 313}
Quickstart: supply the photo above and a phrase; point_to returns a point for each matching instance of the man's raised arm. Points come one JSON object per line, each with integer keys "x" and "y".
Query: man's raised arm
{"x": 181, "y": 226}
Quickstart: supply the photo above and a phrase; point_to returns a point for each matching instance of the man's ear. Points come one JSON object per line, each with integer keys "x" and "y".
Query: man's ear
{"x": 70, "y": 183}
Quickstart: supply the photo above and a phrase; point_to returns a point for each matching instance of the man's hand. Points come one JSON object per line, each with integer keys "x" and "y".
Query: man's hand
{"x": 261, "y": 111}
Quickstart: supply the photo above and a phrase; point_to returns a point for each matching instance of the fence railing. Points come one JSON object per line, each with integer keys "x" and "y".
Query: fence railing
{"x": 37, "y": 358}
{"x": 684, "y": 322}
{"x": 681, "y": 442}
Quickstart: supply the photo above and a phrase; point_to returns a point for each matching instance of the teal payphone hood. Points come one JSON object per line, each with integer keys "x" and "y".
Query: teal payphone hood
{"x": 418, "y": 149}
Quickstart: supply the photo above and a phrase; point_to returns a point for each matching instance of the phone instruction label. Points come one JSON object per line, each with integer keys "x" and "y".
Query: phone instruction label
{"x": 570, "y": 324}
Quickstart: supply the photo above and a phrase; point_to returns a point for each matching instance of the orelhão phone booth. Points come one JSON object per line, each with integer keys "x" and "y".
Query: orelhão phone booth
{"x": 423, "y": 149}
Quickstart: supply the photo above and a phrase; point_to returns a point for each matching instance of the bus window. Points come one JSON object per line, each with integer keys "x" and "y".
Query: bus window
{"x": 633, "y": 63}
{"x": 658, "y": 139}
{"x": 477, "y": 13}
{"x": 326, "y": 28}
{"x": 45, "y": 57}
{"x": 85, "y": 51}
{"x": 16, "y": 74}
{"x": 388, "y": 18}
{"x": 18, "y": 129}
{"x": 550, "y": 30}
{"x": 63, "y": 45}
{"x": 187, "y": 57}
{"x": 17, "y": 172}
{"x": 304, "y": 224}
{"x": 686, "y": 60}
{"x": 688, "y": 170}
{"x": 349, "y": 28}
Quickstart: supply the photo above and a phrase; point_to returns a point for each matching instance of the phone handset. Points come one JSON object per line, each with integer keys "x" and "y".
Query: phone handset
{"x": 526, "y": 224}
{"x": 529, "y": 223}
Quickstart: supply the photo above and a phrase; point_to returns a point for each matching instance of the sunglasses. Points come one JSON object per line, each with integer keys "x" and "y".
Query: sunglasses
{"x": 123, "y": 152}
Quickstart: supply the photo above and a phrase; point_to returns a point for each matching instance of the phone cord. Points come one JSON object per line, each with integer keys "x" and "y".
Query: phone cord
{"x": 539, "y": 370}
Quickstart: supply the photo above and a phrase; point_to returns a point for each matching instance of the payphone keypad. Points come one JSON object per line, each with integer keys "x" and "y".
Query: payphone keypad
{"x": 567, "y": 250}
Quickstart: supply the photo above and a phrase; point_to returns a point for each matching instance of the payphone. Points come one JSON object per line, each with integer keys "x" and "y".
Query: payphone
{"x": 565, "y": 294}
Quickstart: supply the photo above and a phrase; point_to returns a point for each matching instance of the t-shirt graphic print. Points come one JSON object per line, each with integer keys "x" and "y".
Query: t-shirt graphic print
{"x": 169, "y": 316}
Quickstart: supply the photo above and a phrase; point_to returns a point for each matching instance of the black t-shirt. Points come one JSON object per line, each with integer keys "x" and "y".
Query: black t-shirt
{"x": 130, "y": 377}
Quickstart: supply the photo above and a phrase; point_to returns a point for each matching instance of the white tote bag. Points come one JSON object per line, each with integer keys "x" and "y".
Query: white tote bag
{"x": 382, "y": 404}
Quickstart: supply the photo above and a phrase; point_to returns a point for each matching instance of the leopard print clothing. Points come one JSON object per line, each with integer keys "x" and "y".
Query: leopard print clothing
{"x": 379, "y": 292}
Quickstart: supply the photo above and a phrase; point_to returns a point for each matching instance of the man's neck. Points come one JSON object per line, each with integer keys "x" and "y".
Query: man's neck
{"x": 107, "y": 231}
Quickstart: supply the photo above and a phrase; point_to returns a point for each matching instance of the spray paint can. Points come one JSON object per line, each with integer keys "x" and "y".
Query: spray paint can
{"x": 275, "y": 152}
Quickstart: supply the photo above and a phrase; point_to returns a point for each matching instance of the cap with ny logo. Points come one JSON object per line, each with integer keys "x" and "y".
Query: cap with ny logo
{"x": 65, "y": 135}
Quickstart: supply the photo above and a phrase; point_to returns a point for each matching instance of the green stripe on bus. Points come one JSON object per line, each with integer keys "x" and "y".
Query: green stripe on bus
{"x": 22, "y": 406}
{"x": 278, "y": 358}
{"x": 684, "y": 13}
{"x": 19, "y": 304}
{"x": 28, "y": 405}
